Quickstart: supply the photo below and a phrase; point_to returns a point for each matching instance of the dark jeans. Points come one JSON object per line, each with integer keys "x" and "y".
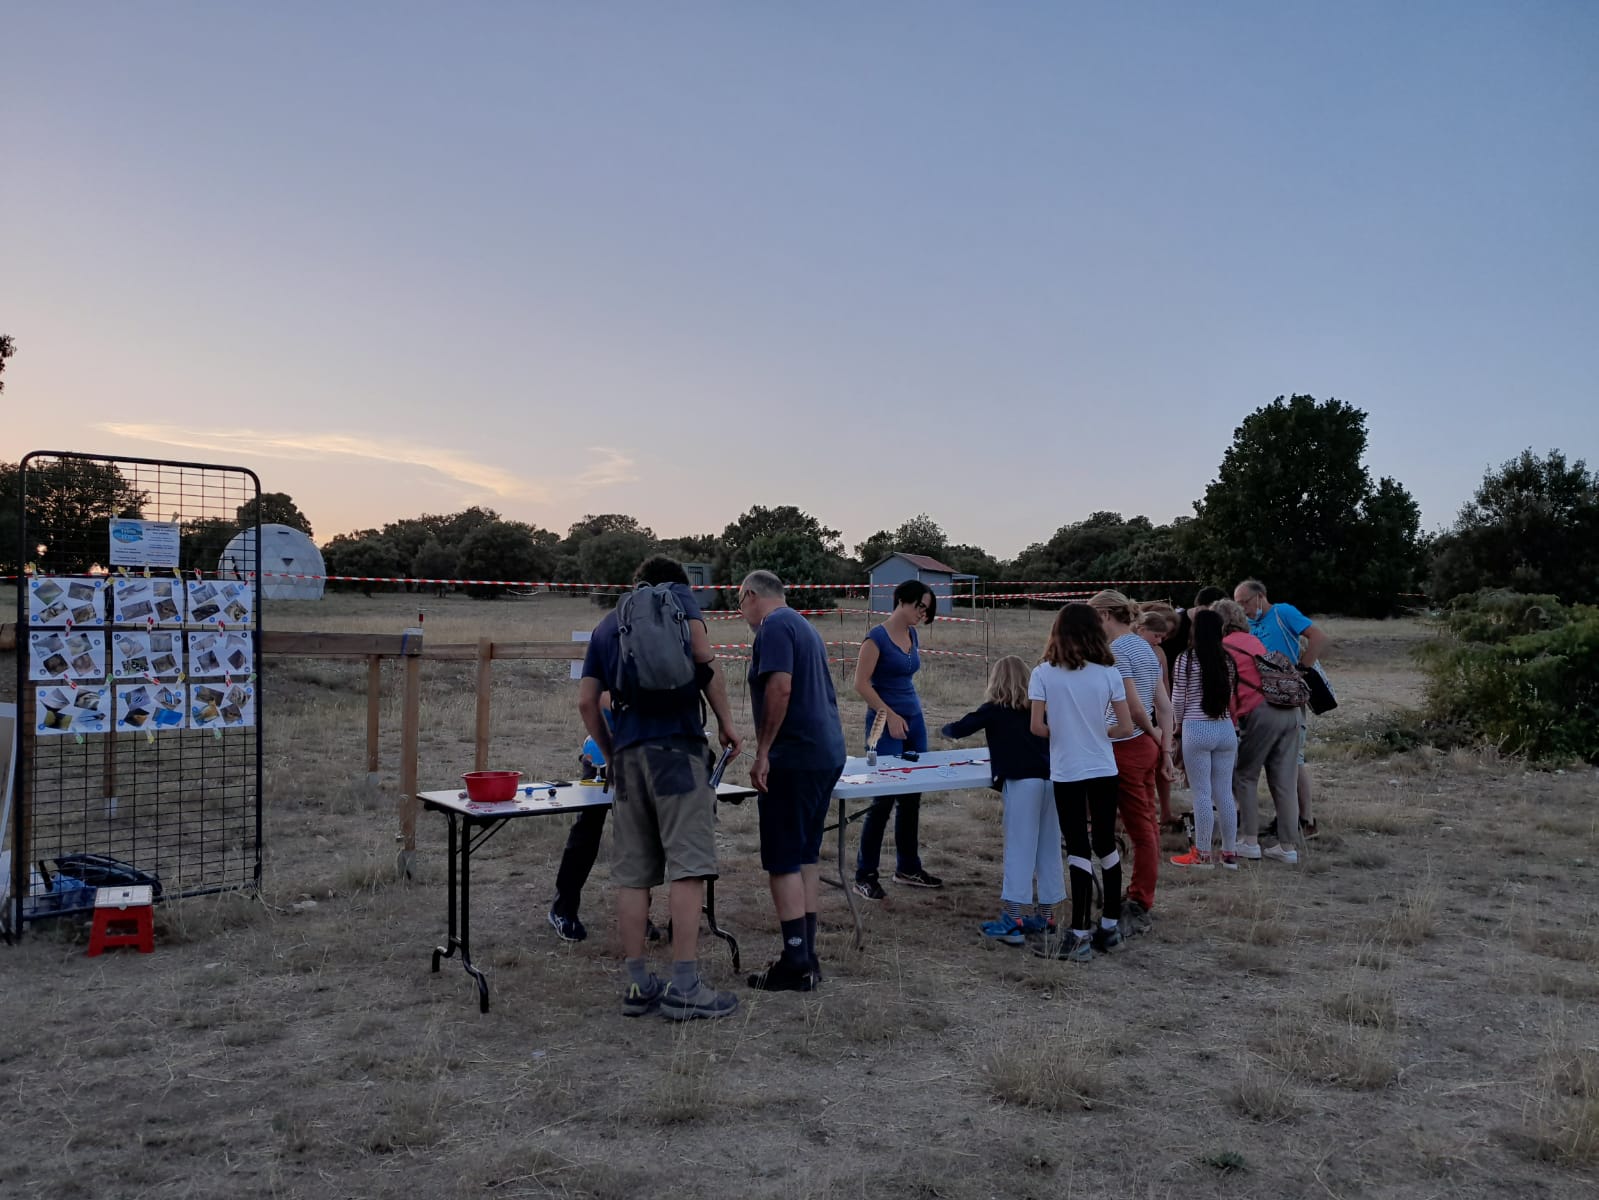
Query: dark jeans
{"x": 577, "y": 860}
{"x": 907, "y": 824}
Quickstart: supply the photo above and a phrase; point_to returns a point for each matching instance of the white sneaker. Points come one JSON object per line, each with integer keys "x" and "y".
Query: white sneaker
{"x": 1283, "y": 854}
{"x": 1250, "y": 850}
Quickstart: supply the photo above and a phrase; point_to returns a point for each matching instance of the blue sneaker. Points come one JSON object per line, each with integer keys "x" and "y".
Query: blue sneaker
{"x": 1036, "y": 924}
{"x": 642, "y": 1001}
{"x": 1006, "y": 929}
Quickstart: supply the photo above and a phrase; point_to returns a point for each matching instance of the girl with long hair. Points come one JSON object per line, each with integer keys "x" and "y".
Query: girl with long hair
{"x": 1203, "y": 687}
{"x": 1019, "y": 763}
{"x": 1070, "y": 692}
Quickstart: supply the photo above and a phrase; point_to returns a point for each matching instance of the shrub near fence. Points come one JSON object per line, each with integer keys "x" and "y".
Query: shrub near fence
{"x": 1519, "y": 671}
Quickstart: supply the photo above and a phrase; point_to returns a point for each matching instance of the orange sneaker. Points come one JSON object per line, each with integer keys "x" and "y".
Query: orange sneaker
{"x": 1193, "y": 859}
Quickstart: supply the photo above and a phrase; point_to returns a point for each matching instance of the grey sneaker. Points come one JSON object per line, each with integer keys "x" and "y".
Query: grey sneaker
{"x": 642, "y": 1001}
{"x": 1136, "y": 919}
{"x": 703, "y": 1002}
{"x": 1068, "y": 947}
{"x": 1103, "y": 940}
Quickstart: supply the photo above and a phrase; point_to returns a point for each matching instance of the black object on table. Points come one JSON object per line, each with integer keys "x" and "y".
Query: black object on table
{"x": 470, "y": 824}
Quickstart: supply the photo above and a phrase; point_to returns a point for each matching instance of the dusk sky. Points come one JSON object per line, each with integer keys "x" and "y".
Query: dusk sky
{"x": 1005, "y": 264}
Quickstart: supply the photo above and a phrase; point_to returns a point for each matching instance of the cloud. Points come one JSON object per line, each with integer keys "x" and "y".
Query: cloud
{"x": 610, "y": 466}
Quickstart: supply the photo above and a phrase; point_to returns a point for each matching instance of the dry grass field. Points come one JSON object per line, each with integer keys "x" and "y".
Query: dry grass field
{"x": 1412, "y": 1012}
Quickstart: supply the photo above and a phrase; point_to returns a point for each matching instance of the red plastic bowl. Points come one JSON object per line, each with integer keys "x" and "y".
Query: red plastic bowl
{"x": 491, "y": 787}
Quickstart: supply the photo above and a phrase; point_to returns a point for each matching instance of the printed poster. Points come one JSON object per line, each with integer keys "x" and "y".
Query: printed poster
{"x": 221, "y": 705}
{"x": 148, "y": 654}
{"x": 151, "y": 706}
{"x": 221, "y": 602}
{"x": 63, "y": 710}
{"x": 221, "y": 652}
{"x": 149, "y": 602}
{"x": 66, "y": 600}
{"x": 66, "y": 654}
{"x": 143, "y": 543}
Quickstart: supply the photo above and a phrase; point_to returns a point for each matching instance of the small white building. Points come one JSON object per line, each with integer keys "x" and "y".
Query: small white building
{"x": 287, "y": 555}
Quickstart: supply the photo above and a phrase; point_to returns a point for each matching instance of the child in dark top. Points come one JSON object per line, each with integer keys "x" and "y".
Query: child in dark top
{"x": 1019, "y": 761}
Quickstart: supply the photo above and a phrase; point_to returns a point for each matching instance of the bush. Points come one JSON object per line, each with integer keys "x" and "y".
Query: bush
{"x": 1521, "y": 672}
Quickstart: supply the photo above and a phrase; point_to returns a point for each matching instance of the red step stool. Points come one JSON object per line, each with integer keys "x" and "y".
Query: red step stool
{"x": 123, "y": 916}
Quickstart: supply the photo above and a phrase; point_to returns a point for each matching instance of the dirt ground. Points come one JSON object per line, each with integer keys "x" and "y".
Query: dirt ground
{"x": 1412, "y": 1012}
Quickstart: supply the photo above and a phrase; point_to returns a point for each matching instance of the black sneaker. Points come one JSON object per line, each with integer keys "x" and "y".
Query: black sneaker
{"x": 1067, "y": 947}
{"x": 1136, "y": 919}
{"x": 1307, "y": 829}
{"x": 918, "y": 878}
{"x": 642, "y": 1000}
{"x": 783, "y": 976}
{"x": 1105, "y": 940}
{"x": 816, "y": 969}
{"x": 568, "y": 929}
{"x": 870, "y": 888}
{"x": 703, "y": 1003}
{"x": 1269, "y": 830}
{"x": 651, "y": 933}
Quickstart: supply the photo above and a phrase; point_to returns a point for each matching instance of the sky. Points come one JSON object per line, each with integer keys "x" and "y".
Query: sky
{"x": 1003, "y": 264}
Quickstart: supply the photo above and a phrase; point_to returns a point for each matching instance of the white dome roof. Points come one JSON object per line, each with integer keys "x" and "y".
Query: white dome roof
{"x": 285, "y": 552}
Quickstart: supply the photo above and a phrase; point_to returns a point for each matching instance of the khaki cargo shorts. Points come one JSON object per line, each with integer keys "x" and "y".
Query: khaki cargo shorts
{"x": 664, "y": 816}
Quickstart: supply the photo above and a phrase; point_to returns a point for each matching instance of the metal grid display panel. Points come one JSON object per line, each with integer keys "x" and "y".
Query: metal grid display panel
{"x": 181, "y": 803}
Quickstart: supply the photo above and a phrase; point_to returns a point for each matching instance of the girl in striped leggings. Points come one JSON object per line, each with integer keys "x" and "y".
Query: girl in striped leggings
{"x": 1203, "y": 682}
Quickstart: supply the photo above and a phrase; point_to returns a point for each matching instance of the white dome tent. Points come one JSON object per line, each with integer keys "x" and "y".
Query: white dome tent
{"x": 285, "y": 551}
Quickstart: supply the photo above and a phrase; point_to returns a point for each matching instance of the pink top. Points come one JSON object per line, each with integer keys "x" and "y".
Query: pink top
{"x": 1187, "y": 692}
{"x": 1243, "y": 647}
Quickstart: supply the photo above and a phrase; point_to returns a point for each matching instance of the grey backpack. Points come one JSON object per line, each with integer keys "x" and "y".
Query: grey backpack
{"x": 655, "y": 662}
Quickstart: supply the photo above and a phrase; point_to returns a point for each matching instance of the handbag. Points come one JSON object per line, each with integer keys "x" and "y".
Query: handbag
{"x": 1318, "y": 690}
{"x": 1322, "y": 699}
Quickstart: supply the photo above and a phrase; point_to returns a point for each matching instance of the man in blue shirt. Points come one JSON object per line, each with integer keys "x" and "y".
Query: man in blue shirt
{"x": 799, "y": 755}
{"x": 664, "y": 814}
{"x": 1280, "y": 627}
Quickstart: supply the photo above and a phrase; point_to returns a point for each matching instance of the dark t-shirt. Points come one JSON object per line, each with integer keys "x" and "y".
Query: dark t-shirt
{"x": 810, "y": 738}
{"x": 602, "y": 661}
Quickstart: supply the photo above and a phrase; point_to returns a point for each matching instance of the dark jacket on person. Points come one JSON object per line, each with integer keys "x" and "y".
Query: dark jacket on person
{"x": 1014, "y": 751}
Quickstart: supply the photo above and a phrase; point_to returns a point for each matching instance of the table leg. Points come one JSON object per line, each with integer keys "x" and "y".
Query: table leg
{"x": 466, "y": 922}
{"x": 450, "y": 942}
{"x": 844, "y": 879}
{"x": 710, "y": 919}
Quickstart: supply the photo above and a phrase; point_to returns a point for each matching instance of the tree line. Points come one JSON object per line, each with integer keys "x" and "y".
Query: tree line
{"x": 1291, "y": 503}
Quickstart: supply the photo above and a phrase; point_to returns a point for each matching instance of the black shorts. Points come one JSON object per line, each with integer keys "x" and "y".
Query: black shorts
{"x": 793, "y": 812}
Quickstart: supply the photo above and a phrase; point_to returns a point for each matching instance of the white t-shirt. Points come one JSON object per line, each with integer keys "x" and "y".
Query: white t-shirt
{"x": 1075, "y": 701}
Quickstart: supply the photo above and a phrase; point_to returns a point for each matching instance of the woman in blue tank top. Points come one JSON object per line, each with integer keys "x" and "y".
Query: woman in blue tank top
{"x": 890, "y": 656}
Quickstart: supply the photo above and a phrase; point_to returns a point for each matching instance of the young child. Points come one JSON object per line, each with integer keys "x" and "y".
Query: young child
{"x": 1070, "y": 692}
{"x": 1203, "y": 686}
{"x": 1019, "y": 764}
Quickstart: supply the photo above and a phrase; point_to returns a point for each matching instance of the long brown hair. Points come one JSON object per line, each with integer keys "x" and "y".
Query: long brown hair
{"x": 1077, "y": 639}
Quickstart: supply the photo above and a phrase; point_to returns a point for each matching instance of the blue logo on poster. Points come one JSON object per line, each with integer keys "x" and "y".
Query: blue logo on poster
{"x": 130, "y": 531}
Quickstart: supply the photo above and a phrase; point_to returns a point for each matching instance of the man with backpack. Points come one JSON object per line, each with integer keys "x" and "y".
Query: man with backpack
{"x": 653, "y": 655}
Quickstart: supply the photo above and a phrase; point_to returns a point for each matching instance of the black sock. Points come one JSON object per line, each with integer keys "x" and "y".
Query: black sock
{"x": 794, "y": 942}
{"x": 810, "y": 937}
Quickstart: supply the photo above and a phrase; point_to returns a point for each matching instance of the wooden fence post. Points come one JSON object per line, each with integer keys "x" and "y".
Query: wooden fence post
{"x": 410, "y": 735}
{"x": 374, "y": 706}
{"x": 485, "y": 692}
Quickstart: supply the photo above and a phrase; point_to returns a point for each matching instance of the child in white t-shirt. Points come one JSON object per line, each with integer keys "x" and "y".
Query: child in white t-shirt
{"x": 1070, "y": 692}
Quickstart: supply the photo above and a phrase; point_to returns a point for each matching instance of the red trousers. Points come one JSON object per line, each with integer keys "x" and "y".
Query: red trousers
{"x": 1136, "y": 763}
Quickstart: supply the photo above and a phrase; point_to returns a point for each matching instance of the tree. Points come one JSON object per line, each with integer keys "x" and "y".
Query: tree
{"x": 70, "y": 502}
{"x": 365, "y": 553}
{"x": 8, "y": 347}
{"x": 793, "y": 557}
{"x": 762, "y": 522}
{"x": 919, "y": 535}
{"x": 1293, "y": 505}
{"x": 435, "y": 561}
{"x": 612, "y": 557}
{"x": 204, "y": 539}
{"x": 502, "y": 550}
{"x": 973, "y": 560}
{"x": 1531, "y": 526}
{"x": 277, "y": 508}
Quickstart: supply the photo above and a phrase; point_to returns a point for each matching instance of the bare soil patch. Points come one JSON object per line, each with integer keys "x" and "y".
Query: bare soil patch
{"x": 1412, "y": 1012}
